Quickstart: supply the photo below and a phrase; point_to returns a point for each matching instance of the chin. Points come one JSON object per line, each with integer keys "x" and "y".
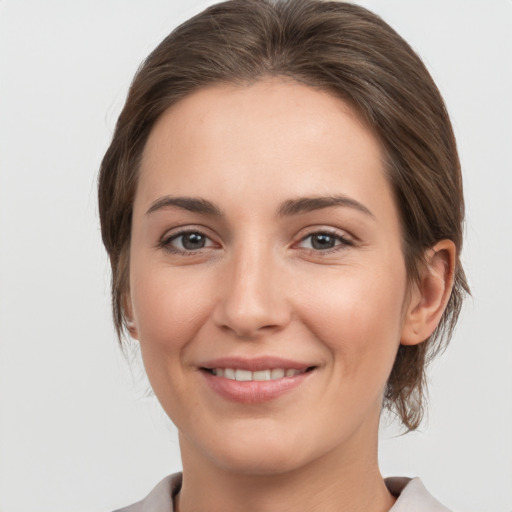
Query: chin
{"x": 257, "y": 451}
{"x": 258, "y": 461}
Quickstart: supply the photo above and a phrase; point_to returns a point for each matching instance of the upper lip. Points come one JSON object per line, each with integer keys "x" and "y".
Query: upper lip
{"x": 255, "y": 364}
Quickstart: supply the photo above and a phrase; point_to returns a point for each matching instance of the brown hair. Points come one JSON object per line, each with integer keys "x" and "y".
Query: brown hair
{"x": 335, "y": 46}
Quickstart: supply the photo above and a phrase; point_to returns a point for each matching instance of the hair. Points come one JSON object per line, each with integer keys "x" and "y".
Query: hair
{"x": 337, "y": 47}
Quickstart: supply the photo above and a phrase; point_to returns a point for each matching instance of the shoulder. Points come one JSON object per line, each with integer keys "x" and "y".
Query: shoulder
{"x": 160, "y": 499}
{"x": 412, "y": 496}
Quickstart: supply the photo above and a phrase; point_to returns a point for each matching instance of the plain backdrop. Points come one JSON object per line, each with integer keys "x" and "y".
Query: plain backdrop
{"x": 78, "y": 432}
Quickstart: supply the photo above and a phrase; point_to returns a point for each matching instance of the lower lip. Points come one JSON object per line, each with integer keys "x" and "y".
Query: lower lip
{"x": 254, "y": 392}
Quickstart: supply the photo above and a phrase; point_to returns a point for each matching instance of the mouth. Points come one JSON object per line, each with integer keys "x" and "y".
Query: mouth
{"x": 242, "y": 375}
{"x": 255, "y": 381}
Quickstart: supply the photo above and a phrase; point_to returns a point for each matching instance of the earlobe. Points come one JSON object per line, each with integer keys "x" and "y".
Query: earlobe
{"x": 132, "y": 329}
{"x": 430, "y": 294}
{"x": 128, "y": 316}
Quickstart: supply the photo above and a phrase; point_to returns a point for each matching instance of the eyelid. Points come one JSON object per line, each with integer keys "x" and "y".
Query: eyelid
{"x": 345, "y": 239}
{"x": 171, "y": 235}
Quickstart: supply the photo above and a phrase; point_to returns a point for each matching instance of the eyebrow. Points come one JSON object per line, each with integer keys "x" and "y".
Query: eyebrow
{"x": 288, "y": 208}
{"x": 192, "y": 204}
{"x": 309, "y": 204}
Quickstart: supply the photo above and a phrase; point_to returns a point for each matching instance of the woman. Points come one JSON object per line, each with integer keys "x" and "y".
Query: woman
{"x": 282, "y": 208}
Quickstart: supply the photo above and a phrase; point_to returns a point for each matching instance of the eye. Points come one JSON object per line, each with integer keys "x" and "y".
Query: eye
{"x": 186, "y": 242}
{"x": 323, "y": 241}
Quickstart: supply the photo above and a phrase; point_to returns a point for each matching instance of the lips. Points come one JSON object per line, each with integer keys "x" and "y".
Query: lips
{"x": 258, "y": 376}
{"x": 253, "y": 381}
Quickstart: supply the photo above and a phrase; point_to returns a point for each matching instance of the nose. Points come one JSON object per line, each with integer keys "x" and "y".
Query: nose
{"x": 253, "y": 295}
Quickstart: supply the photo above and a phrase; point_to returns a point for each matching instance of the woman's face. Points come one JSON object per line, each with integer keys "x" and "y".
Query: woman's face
{"x": 267, "y": 281}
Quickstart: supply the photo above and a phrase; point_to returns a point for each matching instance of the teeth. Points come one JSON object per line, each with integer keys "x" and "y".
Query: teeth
{"x": 260, "y": 375}
{"x": 229, "y": 373}
{"x": 277, "y": 373}
{"x": 243, "y": 375}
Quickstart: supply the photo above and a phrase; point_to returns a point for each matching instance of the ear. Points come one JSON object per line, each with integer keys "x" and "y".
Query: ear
{"x": 128, "y": 315}
{"x": 429, "y": 296}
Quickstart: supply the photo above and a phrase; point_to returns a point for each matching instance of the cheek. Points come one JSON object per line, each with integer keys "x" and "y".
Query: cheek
{"x": 169, "y": 309}
{"x": 358, "y": 317}
{"x": 169, "y": 306}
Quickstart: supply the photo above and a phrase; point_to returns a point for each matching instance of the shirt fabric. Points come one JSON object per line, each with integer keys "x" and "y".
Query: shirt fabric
{"x": 410, "y": 492}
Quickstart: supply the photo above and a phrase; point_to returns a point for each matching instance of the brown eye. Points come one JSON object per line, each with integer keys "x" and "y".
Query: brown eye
{"x": 322, "y": 241}
{"x": 186, "y": 241}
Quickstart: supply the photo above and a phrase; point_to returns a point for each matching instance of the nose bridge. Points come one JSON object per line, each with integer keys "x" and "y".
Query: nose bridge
{"x": 252, "y": 300}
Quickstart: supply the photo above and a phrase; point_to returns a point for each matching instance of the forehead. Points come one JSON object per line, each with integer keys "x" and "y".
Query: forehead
{"x": 274, "y": 137}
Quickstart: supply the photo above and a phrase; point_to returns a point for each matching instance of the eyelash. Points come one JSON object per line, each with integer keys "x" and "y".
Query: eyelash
{"x": 344, "y": 242}
{"x": 165, "y": 243}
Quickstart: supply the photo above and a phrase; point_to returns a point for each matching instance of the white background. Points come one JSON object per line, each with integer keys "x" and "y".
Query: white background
{"x": 76, "y": 430}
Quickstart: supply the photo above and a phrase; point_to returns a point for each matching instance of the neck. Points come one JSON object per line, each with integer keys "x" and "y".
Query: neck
{"x": 348, "y": 481}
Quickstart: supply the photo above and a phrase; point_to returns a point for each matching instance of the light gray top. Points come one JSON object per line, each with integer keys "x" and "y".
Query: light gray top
{"x": 411, "y": 493}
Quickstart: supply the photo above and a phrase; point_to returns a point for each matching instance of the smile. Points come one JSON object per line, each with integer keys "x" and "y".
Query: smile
{"x": 255, "y": 381}
{"x": 257, "y": 376}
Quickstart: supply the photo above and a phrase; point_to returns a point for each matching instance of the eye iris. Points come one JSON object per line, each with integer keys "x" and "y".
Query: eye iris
{"x": 322, "y": 241}
{"x": 193, "y": 241}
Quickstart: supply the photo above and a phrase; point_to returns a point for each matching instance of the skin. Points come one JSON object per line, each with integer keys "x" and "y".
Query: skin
{"x": 260, "y": 287}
